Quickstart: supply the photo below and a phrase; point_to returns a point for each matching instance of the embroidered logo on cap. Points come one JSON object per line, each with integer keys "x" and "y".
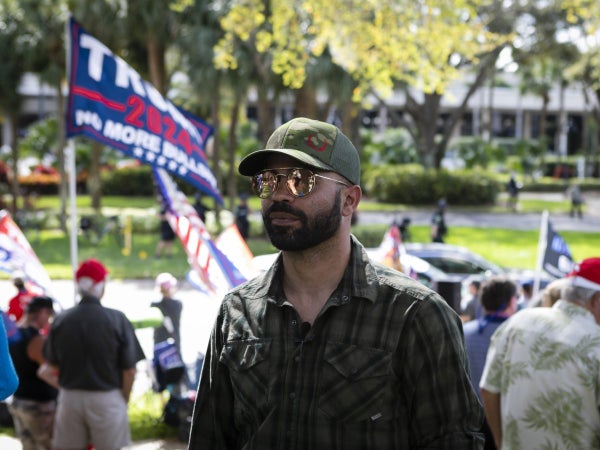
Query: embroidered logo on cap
{"x": 318, "y": 142}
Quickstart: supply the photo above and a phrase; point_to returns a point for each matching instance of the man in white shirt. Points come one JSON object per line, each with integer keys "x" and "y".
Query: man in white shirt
{"x": 541, "y": 382}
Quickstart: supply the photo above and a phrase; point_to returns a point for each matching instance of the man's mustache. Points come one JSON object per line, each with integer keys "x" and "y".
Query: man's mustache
{"x": 284, "y": 208}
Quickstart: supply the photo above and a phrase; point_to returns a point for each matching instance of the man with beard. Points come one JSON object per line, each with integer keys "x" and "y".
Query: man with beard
{"x": 327, "y": 349}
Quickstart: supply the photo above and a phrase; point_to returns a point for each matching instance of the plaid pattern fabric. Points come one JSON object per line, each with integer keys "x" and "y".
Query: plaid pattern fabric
{"x": 382, "y": 367}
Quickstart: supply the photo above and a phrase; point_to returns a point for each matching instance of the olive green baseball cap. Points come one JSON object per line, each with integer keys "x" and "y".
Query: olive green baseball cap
{"x": 317, "y": 144}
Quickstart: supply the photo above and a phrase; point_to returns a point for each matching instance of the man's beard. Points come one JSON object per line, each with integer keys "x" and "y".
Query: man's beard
{"x": 312, "y": 232}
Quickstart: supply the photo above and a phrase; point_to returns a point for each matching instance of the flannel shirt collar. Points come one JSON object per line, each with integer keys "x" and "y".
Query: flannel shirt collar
{"x": 360, "y": 278}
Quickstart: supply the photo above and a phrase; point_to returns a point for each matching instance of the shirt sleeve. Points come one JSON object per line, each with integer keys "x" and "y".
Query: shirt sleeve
{"x": 491, "y": 377}
{"x": 212, "y": 420}
{"x": 446, "y": 412}
{"x": 8, "y": 376}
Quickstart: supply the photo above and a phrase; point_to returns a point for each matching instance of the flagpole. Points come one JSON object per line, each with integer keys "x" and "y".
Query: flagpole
{"x": 541, "y": 250}
{"x": 73, "y": 198}
{"x": 71, "y": 169}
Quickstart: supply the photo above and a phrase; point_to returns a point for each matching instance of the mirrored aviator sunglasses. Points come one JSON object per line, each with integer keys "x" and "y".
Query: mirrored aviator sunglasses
{"x": 298, "y": 181}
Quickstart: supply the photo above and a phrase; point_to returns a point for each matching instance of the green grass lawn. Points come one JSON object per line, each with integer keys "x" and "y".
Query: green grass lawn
{"x": 507, "y": 248}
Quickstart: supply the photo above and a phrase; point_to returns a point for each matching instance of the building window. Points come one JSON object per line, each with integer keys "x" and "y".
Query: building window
{"x": 466, "y": 124}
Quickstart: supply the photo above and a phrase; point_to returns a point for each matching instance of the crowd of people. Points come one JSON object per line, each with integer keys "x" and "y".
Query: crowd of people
{"x": 535, "y": 363}
{"x": 327, "y": 348}
{"x": 76, "y": 373}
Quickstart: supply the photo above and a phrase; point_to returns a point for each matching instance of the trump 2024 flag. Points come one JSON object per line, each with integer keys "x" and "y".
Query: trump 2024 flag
{"x": 111, "y": 103}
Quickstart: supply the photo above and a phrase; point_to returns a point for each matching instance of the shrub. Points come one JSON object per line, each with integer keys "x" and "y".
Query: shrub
{"x": 128, "y": 181}
{"x": 413, "y": 185}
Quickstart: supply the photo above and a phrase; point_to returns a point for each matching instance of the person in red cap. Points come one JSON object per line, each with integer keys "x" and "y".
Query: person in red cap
{"x": 95, "y": 351}
{"x": 541, "y": 384}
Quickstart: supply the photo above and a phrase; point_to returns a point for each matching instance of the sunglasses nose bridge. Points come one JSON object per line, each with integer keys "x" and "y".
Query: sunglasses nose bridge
{"x": 282, "y": 184}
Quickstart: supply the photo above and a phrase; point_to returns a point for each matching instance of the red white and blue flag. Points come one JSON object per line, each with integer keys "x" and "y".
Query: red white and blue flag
{"x": 212, "y": 271}
{"x": 111, "y": 103}
{"x": 16, "y": 255}
{"x": 392, "y": 253}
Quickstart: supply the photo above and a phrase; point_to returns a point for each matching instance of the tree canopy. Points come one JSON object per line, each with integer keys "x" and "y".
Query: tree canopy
{"x": 379, "y": 43}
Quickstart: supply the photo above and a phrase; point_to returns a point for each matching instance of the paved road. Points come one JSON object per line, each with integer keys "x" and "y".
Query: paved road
{"x": 525, "y": 221}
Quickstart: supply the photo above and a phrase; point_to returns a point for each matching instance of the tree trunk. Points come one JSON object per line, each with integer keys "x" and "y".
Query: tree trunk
{"x": 14, "y": 167}
{"x": 425, "y": 117}
{"x": 265, "y": 115}
{"x": 232, "y": 146}
{"x": 156, "y": 64}
{"x": 306, "y": 102}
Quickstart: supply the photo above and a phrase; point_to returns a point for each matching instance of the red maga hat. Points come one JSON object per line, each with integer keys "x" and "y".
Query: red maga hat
{"x": 587, "y": 274}
{"x": 92, "y": 269}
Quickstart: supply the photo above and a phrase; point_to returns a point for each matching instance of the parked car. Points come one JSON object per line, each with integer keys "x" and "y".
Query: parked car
{"x": 453, "y": 260}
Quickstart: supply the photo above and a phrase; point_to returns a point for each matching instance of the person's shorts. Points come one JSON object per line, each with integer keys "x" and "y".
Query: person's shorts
{"x": 91, "y": 417}
{"x": 33, "y": 421}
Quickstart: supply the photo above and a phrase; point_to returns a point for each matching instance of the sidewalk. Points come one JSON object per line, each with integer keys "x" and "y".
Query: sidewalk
{"x": 9, "y": 443}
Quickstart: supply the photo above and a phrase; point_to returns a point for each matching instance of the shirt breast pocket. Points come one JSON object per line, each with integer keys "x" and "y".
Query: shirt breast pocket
{"x": 248, "y": 364}
{"x": 356, "y": 383}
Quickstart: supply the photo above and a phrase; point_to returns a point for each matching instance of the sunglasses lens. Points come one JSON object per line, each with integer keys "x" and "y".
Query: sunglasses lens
{"x": 300, "y": 182}
{"x": 264, "y": 183}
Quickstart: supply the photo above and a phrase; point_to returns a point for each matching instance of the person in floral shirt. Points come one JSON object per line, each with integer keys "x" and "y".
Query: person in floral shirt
{"x": 541, "y": 382}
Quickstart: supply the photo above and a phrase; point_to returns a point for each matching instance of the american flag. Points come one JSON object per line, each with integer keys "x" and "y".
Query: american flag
{"x": 16, "y": 254}
{"x": 211, "y": 271}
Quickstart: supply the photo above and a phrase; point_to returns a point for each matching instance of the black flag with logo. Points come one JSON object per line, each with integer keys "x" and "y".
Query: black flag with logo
{"x": 558, "y": 261}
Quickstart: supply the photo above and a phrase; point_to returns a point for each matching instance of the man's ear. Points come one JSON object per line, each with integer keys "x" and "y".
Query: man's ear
{"x": 351, "y": 199}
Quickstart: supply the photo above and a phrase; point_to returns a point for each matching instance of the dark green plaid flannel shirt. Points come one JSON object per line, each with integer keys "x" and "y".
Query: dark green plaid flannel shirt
{"x": 382, "y": 367}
